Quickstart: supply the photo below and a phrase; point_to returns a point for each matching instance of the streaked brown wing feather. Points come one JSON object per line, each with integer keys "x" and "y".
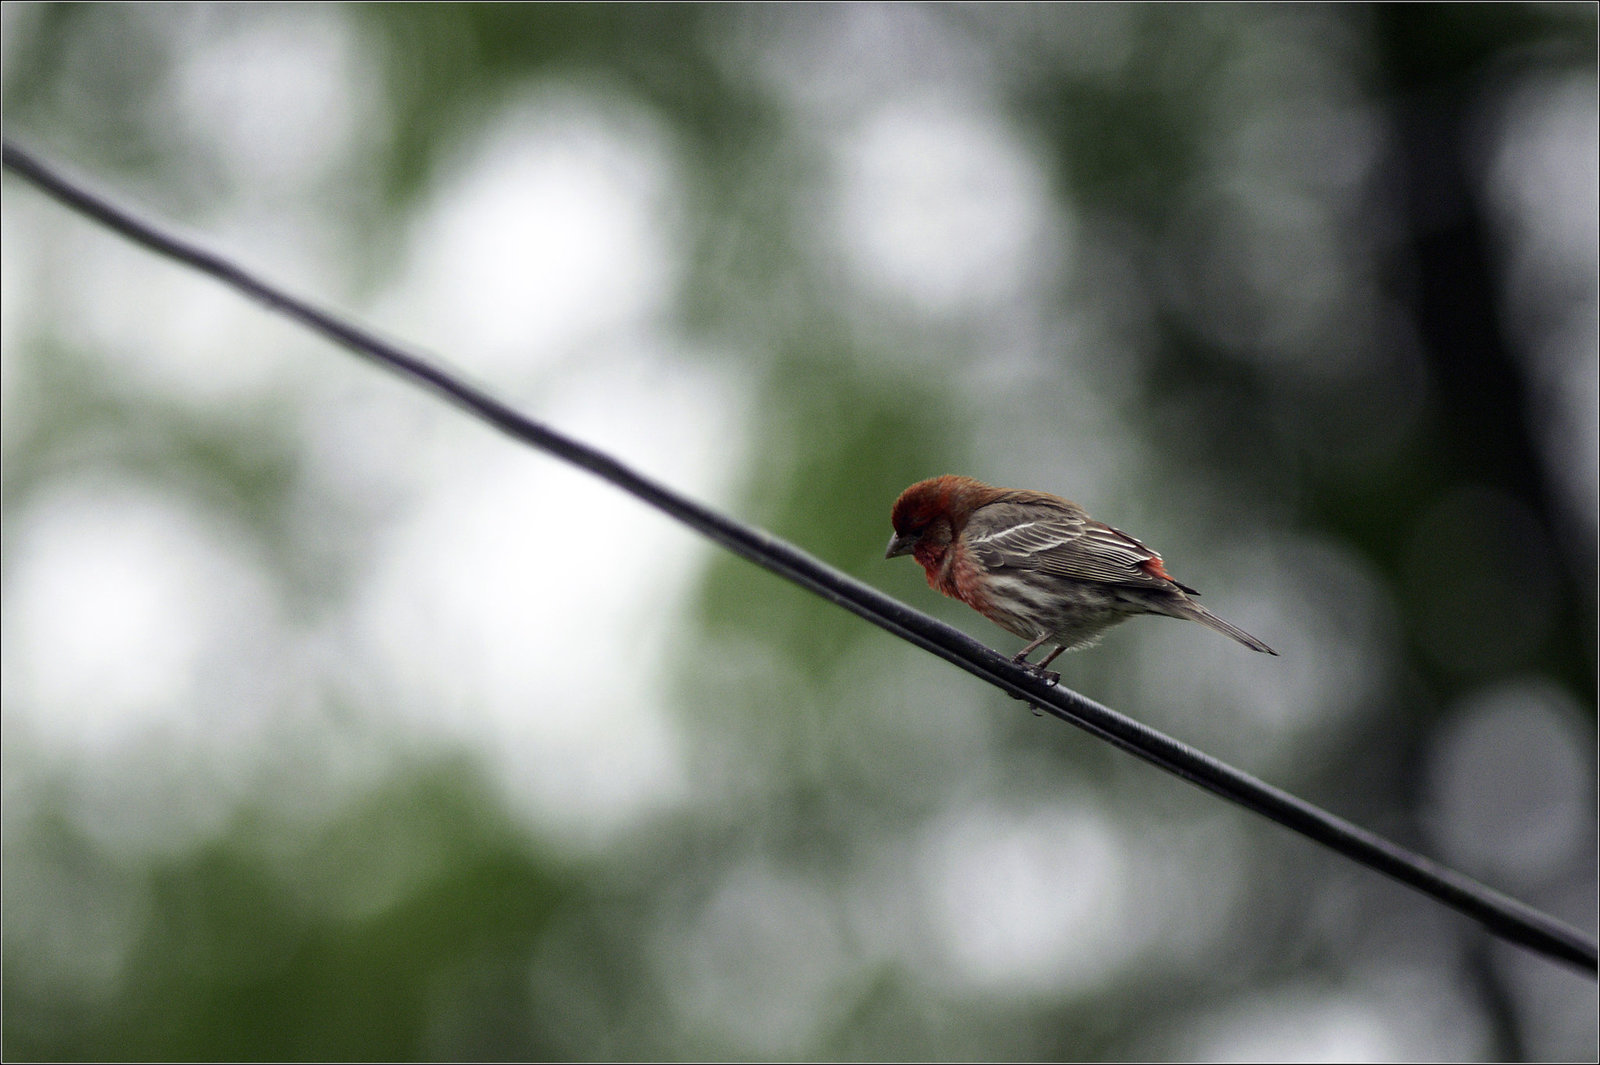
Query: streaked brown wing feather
{"x": 1059, "y": 540}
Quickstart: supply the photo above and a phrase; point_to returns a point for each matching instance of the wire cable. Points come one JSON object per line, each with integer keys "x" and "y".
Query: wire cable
{"x": 1504, "y": 916}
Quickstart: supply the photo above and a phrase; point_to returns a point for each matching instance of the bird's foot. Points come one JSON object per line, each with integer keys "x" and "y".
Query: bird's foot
{"x": 1050, "y": 677}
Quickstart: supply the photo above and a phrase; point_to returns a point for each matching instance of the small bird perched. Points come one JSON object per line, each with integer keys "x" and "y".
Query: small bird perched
{"x": 1037, "y": 565}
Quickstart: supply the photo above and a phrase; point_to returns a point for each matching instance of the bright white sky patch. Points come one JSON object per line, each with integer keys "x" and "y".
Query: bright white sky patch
{"x": 143, "y": 652}
{"x": 1388, "y": 1016}
{"x": 518, "y": 606}
{"x": 554, "y": 235}
{"x": 262, "y": 115}
{"x": 1027, "y": 901}
{"x": 19, "y": 289}
{"x": 523, "y": 608}
{"x": 942, "y": 206}
{"x": 118, "y": 597}
{"x": 280, "y": 101}
{"x": 510, "y": 612}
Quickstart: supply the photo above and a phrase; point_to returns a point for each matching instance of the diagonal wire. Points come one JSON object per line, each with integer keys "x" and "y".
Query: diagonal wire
{"x": 1504, "y": 916}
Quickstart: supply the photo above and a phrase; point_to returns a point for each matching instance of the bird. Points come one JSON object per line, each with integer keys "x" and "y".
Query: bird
{"x": 1038, "y": 566}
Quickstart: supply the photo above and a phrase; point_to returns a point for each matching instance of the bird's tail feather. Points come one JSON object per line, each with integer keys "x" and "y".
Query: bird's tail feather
{"x": 1195, "y": 612}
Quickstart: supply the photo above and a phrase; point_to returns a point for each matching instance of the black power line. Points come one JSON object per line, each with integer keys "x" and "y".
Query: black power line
{"x": 1503, "y": 915}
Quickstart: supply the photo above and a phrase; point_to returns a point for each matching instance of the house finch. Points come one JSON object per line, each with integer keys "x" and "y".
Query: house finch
{"x": 1038, "y": 566}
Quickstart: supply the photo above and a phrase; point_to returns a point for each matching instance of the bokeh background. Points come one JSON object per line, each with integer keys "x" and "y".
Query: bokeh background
{"x": 337, "y": 726}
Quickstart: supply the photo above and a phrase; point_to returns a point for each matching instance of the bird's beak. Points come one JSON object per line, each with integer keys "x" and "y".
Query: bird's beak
{"x": 900, "y": 545}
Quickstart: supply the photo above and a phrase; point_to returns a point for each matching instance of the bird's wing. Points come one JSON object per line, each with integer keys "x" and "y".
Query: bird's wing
{"x": 1063, "y": 541}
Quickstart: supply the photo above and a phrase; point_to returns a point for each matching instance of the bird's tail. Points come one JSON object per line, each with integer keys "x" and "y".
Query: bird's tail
{"x": 1195, "y": 612}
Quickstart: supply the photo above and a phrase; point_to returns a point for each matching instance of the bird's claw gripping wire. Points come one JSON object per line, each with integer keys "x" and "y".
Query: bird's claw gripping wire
{"x": 1050, "y": 677}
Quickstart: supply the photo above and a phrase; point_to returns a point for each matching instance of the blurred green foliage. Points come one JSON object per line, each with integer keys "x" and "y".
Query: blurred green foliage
{"x": 1287, "y": 318}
